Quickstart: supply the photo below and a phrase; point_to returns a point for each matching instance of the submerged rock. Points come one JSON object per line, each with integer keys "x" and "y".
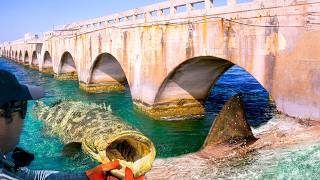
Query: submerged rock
{"x": 230, "y": 126}
{"x": 99, "y": 133}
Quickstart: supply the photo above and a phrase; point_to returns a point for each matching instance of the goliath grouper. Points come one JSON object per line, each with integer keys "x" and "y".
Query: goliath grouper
{"x": 100, "y": 134}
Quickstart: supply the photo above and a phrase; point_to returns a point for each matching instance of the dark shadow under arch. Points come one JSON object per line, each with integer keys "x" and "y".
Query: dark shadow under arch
{"x": 193, "y": 79}
{"x": 26, "y": 57}
{"x": 47, "y": 60}
{"x": 16, "y": 56}
{"x": 20, "y": 56}
{"x": 34, "y": 59}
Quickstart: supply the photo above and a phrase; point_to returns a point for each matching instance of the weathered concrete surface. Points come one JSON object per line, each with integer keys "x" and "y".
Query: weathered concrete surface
{"x": 66, "y": 76}
{"x": 171, "y": 61}
{"x": 105, "y": 87}
{"x": 48, "y": 71}
{"x": 99, "y": 133}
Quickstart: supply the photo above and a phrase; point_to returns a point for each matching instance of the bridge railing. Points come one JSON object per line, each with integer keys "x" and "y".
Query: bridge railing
{"x": 18, "y": 41}
{"x": 167, "y": 10}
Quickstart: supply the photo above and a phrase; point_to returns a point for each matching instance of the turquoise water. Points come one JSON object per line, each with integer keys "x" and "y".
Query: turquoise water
{"x": 170, "y": 138}
{"x": 297, "y": 162}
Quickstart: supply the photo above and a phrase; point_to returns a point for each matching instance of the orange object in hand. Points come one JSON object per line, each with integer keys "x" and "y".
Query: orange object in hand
{"x": 97, "y": 173}
{"x": 129, "y": 175}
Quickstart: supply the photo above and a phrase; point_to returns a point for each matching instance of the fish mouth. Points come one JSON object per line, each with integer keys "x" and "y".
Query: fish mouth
{"x": 134, "y": 151}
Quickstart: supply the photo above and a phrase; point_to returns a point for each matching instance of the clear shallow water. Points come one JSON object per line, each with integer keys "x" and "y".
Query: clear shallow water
{"x": 170, "y": 138}
{"x": 297, "y": 162}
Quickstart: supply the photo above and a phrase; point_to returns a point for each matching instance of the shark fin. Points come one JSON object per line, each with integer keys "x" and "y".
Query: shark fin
{"x": 230, "y": 126}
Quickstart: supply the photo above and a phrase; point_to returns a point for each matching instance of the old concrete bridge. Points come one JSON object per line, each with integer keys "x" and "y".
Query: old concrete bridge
{"x": 172, "y": 53}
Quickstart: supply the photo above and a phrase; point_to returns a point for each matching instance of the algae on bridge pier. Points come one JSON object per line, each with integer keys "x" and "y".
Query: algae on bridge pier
{"x": 102, "y": 135}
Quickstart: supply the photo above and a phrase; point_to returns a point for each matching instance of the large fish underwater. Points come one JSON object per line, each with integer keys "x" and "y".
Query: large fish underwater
{"x": 99, "y": 133}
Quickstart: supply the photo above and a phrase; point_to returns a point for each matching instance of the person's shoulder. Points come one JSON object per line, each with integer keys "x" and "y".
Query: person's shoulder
{"x": 6, "y": 176}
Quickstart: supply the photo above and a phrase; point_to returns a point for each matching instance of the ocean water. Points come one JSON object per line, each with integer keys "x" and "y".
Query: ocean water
{"x": 170, "y": 138}
{"x": 294, "y": 162}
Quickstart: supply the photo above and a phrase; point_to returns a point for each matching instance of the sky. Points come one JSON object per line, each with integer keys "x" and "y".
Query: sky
{"x": 18, "y": 17}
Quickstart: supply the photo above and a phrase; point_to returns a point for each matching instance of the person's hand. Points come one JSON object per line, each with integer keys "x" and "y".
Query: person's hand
{"x": 129, "y": 175}
{"x": 98, "y": 173}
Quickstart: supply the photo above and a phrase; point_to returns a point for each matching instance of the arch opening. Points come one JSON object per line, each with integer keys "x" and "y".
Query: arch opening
{"x": 258, "y": 104}
{"x": 34, "y": 61}
{"x": 20, "y": 56}
{"x": 67, "y": 68}
{"x": 26, "y": 58}
{"x": 106, "y": 74}
{"x": 16, "y": 56}
{"x": 190, "y": 90}
{"x": 47, "y": 67}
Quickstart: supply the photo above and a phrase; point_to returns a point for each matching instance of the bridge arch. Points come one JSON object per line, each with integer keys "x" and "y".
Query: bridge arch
{"x": 34, "y": 60}
{"x": 20, "y": 56}
{"x": 16, "y": 56}
{"x": 105, "y": 74}
{"x": 47, "y": 66}
{"x": 47, "y": 60}
{"x": 67, "y": 69}
{"x": 187, "y": 86}
{"x": 26, "y": 57}
{"x": 192, "y": 79}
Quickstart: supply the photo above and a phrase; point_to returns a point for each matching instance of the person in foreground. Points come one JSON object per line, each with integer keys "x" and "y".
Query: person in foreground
{"x": 13, "y": 160}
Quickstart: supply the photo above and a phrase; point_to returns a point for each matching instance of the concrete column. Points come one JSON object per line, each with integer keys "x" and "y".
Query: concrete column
{"x": 189, "y": 7}
{"x": 134, "y": 17}
{"x": 208, "y": 4}
{"x": 147, "y": 15}
{"x": 116, "y": 20}
{"x": 232, "y": 2}
{"x": 173, "y": 10}
{"x": 172, "y": 7}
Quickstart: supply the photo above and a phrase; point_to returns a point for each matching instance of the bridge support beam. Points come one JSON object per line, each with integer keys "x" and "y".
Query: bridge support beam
{"x": 66, "y": 76}
{"x": 34, "y": 67}
{"x": 176, "y": 110}
{"x": 102, "y": 87}
{"x": 48, "y": 70}
{"x": 25, "y": 64}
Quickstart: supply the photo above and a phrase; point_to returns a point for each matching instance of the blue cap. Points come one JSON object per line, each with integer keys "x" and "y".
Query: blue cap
{"x": 12, "y": 90}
